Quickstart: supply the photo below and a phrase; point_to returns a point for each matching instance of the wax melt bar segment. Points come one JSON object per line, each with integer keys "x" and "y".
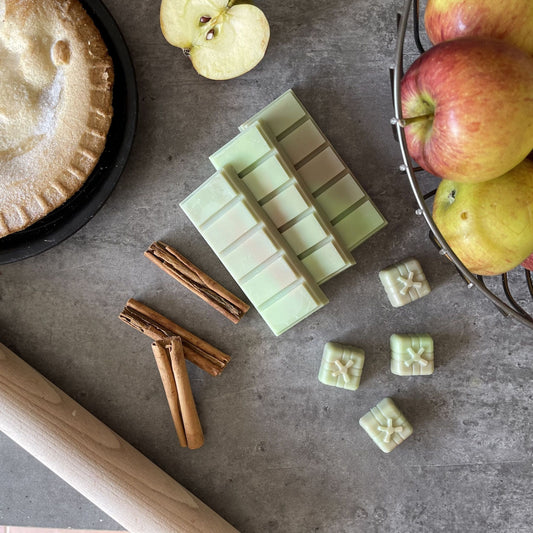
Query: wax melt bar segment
{"x": 284, "y": 197}
{"x": 349, "y": 209}
{"x": 253, "y": 251}
{"x": 386, "y": 425}
{"x": 404, "y": 282}
{"x": 411, "y": 355}
{"x": 341, "y": 366}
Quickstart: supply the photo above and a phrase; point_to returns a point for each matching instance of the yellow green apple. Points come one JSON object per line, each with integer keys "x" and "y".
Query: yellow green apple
{"x": 223, "y": 38}
{"x": 509, "y": 20}
{"x": 488, "y": 225}
{"x": 468, "y": 108}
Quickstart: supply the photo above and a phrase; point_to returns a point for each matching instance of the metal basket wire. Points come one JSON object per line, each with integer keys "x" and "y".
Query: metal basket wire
{"x": 509, "y": 308}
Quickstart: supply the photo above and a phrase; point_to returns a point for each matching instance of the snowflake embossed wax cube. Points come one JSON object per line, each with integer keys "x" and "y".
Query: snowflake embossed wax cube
{"x": 386, "y": 425}
{"x": 404, "y": 282}
{"x": 411, "y": 355}
{"x": 341, "y": 366}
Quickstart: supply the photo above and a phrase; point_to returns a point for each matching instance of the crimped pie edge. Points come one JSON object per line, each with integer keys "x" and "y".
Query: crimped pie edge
{"x": 92, "y": 141}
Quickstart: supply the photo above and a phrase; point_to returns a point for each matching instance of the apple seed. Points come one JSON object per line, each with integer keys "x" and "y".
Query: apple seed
{"x": 210, "y": 34}
{"x": 204, "y": 19}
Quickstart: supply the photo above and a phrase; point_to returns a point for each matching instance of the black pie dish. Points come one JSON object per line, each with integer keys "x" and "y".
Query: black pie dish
{"x": 80, "y": 208}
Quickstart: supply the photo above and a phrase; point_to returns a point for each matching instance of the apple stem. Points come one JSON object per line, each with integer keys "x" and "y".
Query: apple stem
{"x": 420, "y": 118}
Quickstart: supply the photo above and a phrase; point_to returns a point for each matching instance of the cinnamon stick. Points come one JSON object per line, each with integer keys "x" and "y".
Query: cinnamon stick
{"x": 189, "y": 414}
{"x": 157, "y": 327}
{"x": 169, "y": 384}
{"x": 190, "y": 276}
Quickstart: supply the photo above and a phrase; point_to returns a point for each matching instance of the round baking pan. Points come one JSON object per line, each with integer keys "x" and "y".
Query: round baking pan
{"x": 78, "y": 210}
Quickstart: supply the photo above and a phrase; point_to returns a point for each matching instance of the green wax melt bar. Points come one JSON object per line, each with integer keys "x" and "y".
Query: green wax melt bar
{"x": 386, "y": 425}
{"x": 341, "y": 366}
{"x": 282, "y": 194}
{"x": 411, "y": 355}
{"x": 330, "y": 181}
{"x": 250, "y": 247}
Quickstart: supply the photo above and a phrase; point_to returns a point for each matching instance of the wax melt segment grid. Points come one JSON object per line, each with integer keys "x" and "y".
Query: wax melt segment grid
{"x": 349, "y": 209}
{"x": 250, "y": 247}
{"x": 284, "y": 197}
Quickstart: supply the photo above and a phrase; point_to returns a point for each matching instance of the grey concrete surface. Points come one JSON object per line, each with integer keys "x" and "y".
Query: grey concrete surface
{"x": 283, "y": 453}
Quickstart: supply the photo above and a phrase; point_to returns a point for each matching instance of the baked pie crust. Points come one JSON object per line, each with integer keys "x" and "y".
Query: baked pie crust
{"x": 56, "y": 81}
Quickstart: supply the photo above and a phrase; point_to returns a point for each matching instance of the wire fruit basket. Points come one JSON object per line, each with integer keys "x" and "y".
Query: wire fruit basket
{"x": 510, "y": 307}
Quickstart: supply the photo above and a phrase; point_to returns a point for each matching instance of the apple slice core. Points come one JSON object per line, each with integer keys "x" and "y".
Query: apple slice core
{"x": 234, "y": 43}
{"x": 181, "y": 20}
{"x": 223, "y": 39}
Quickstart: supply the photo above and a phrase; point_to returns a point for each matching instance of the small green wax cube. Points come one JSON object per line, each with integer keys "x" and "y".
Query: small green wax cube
{"x": 341, "y": 366}
{"x": 386, "y": 425}
{"x": 411, "y": 355}
{"x": 404, "y": 282}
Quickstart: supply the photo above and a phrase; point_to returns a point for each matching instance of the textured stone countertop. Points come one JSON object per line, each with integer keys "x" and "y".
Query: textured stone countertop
{"x": 283, "y": 453}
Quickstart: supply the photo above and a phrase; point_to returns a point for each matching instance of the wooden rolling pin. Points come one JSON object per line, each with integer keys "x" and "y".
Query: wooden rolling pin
{"x": 98, "y": 463}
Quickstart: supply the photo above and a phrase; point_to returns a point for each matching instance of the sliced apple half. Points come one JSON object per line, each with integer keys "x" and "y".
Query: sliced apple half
{"x": 223, "y": 39}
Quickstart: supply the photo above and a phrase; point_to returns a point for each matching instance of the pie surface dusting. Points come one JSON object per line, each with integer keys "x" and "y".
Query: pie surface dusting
{"x": 56, "y": 81}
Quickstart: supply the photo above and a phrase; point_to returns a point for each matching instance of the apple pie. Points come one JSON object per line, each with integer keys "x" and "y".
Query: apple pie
{"x": 56, "y": 81}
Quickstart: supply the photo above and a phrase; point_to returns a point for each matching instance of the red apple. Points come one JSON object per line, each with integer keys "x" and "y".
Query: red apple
{"x": 509, "y": 20}
{"x": 468, "y": 105}
{"x": 488, "y": 225}
{"x": 528, "y": 263}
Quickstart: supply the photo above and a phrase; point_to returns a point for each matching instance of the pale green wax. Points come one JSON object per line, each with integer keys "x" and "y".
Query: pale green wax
{"x": 336, "y": 190}
{"x": 404, "y": 282}
{"x": 284, "y": 197}
{"x": 411, "y": 354}
{"x": 302, "y": 141}
{"x": 386, "y": 425}
{"x": 250, "y": 247}
{"x": 341, "y": 366}
{"x": 305, "y": 233}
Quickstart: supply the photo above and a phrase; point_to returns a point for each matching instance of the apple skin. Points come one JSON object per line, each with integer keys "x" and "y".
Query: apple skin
{"x": 509, "y": 20}
{"x": 488, "y": 225}
{"x": 476, "y": 97}
{"x": 528, "y": 263}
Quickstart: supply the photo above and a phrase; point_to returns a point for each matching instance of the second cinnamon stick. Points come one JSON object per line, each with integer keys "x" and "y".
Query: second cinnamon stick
{"x": 157, "y": 327}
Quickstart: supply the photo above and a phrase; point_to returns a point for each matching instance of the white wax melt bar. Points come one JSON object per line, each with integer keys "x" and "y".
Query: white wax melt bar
{"x": 250, "y": 247}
